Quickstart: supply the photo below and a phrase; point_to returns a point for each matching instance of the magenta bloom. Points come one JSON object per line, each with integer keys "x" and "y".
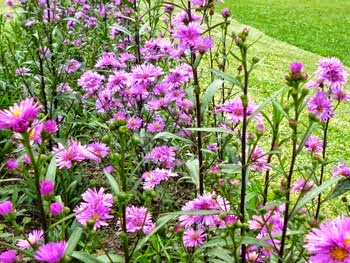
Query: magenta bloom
{"x": 74, "y": 152}
{"x": 296, "y": 67}
{"x": 51, "y": 252}
{"x": 11, "y": 164}
{"x": 96, "y": 207}
{"x": 134, "y": 123}
{"x": 194, "y": 238}
{"x": 302, "y": 185}
{"x": 99, "y": 150}
{"x": 188, "y": 34}
{"x": 34, "y": 237}
{"x": 164, "y": 155}
{"x": 46, "y": 187}
{"x": 330, "y": 242}
{"x": 313, "y": 144}
{"x": 6, "y": 208}
{"x": 56, "y": 208}
{"x": 50, "y": 127}
{"x": 269, "y": 223}
{"x": 138, "y": 219}
{"x": 341, "y": 169}
{"x": 22, "y": 71}
{"x": 259, "y": 160}
{"x": 19, "y": 116}
{"x": 332, "y": 72}
{"x": 90, "y": 81}
{"x": 107, "y": 59}
{"x": 9, "y": 256}
{"x": 205, "y": 202}
{"x": 72, "y": 66}
{"x": 155, "y": 177}
{"x": 321, "y": 106}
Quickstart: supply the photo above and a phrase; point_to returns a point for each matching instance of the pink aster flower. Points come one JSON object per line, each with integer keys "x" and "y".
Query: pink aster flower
{"x": 332, "y": 72}
{"x": 302, "y": 185}
{"x": 33, "y": 237}
{"x": 189, "y": 34}
{"x": 321, "y": 106}
{"x": 341, "y": 169}
{"x": 155, "y": 177}
{"x": 107, "y": 59}
{"x": 90, "y": 81}
{"x": 145, "y": 74}
{"x": 22, "y": 71}
{"x": 134, "y": 123}
{"x": 8, "y": 256}
{"x": 50, "y": 127}
{"x": 330, "y": 242}
{"x": 96, "y": 207}
{"x": 269, "y": 223}
{"x": 66, "y": 155}
{"x": 259, "y": 160}
{"x": 164, "y": 155}
{"x": 6, "y": 208}
{"x": 19, "y": 116}
{"x": 51, "y": 252}
{"x": 205, "y": 202}
{"x": 313, "y": 144}
{"x": 46, "y": 187}
{"x": 72, "y": 66}
{"x": 138, "y": 219}
{"x": 194, "y": 238}
{"x": 99, "y": 150}
{"x": 156, "y": 126}
{"x": 11, "y": 164}
{"x": 56, "y": 208}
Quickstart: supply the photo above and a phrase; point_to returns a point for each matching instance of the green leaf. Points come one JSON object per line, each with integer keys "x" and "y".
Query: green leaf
{"x": 312, "y": 194}
{"x": 115, "y": 258}
{"x": 221, "y": 254}
{"x": 51, "y": 170}
{"x": 226, "y": 77}
{"x": 193, "y": 171}
{"x": 121, "y": 29}
{"x": 342, "y": 187}
{"x": 211, "y": 129}
{"x": 74, "y": 239}
{"x": 85, "y": 257}
{"x": 113, "y": 182}
{"x": 210, "y": 93}
{"x": 168, "y": 135}
{"x": 159, "y": 224}
{"x": 255, "y": 241}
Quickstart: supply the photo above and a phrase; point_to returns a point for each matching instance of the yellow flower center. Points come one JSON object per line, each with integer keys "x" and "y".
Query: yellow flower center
{"x": 31, "y": 240}
{"x": 347, "y": 239}
{"x": 16, "y": 112}
{"x": 95, "y": 217}
{"x": 32, "y": 134}
{"x": 338, "y": 253}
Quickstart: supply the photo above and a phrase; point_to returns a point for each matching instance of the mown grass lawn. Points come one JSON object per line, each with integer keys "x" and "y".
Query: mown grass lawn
{"x": 319, "y": 26}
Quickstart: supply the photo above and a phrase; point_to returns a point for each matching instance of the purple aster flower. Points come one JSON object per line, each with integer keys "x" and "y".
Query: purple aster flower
{"x": 90, "y": 81}
{"x": 321, "y": 106}
{"x": 8, "y": 256}
{"x": 313, "y": 144}
{"x": 50, "y": 127}
{"x": 155, "y": 177}
{"x": 51, "y": 252}
{"x": 138, "y": 219}
{"x": 107, "y": 59}
{"x": 332, "y": 72}
{"x": 46, "y": 187}
{"x": 72, "y": 66}
{"x": 109, "y": 169}
{"x": 259, "y": 160}
{"x": 19, "y": 116}
{"x": 194, "y": 238}
{"x": 269, "y": 223}
{"x": 204, "y": 44}
{"x": 341, "y": 169}
{"x": 225, "y": 12}
{"x": 22, "y": 71}
{"x": 145, "y": 74}
{"x": 33, "y": 237}
{"x": 11, "y": 164}
{"x": 74, "y": 152}
{"x": 189, "y": 34}
{"x": 156, "y": 126}
{"x": 296, "y": 67}
{"x": 302, "y": 185}
{"x": 134, "y": 123}
{"x": 6, "y": 208}
{"x": 330, "y": 242}
{"x": 99, "y": 150}
{"x": 209, "y": 201}
{"x": 164, "y": 155}
{"x": 339, "y": 94}
{"x": 96, "y": 207}
{"x": 56, "y": 208}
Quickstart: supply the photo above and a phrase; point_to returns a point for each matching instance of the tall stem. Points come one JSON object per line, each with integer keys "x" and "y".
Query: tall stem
{"x": 243, "y": 153}
{"x": 267, "y": 174}
{"x": 325, "y": 131}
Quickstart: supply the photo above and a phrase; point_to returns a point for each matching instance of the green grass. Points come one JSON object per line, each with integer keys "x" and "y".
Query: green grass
{"x": 319, "y": 26}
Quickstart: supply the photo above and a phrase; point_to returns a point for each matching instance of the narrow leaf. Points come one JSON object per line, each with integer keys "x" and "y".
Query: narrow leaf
{"x": 193, "y": 171}
{"x": 226, "y": 77}
{"x": 74, "y": 239}
{"x": 221, "y": 254}
{"x": 211, "y": 129}
{"x": 51, "y": 170}
{"x": 342, "y": 187}
{"x": 85, "y": 257}
{"x": 168, "y": 135}
{"x": 210, "y": 93}
{"x": 113, "y": 182}
{"x": 115, "y": 258}
{"x": 121, "y": 29}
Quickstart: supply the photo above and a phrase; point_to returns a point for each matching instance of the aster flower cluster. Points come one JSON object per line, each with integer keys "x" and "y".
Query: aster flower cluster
{"x": 330, "y": 73}
{"x": 77, "y": 152}
{"x": 155, "y": 177}
{"x": 96, "y": 207}
{"x": 163, "y": 155}
{"x": 137, "y": 219}
{"x": 195, "y": 234}
{"x": 266, "y": 226}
